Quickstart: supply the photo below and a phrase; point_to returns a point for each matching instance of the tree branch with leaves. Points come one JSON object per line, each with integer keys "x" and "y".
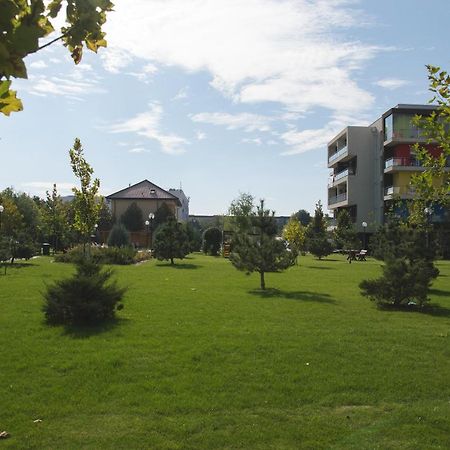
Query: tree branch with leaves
{"x": 24, "y": 23}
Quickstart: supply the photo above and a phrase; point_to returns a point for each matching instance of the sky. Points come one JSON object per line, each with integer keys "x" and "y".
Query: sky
{"x": 221, "y": 97}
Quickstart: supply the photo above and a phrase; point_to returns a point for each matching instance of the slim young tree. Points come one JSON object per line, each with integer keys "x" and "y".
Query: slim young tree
{"x": 85, "y": 204}
{"x": 260, "y": 251}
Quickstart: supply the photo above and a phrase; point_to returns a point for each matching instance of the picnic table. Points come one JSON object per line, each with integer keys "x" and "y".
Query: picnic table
{"x": 356, "y": 255}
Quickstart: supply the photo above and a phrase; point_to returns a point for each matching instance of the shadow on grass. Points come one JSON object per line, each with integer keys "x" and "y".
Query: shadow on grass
{"x": 187, "y": 266}
{"x": 430, "y": 310}
{"x": 86, "y": 331}
{"x": 304, "y": 296}
{"x": 439, "y": 293}
{"x": 319, "y": 268}
{"x": 16, "y": 265}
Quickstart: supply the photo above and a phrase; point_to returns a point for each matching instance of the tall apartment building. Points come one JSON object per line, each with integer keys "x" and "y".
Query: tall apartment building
{"x": 373, "y": 165}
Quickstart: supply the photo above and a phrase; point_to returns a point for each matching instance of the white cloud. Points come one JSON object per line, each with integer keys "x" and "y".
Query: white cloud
{"x": 246, "y": 121}
{"x": 40, "y": 64}
{"x": 41, "y": 187}
{"x": 392, "y": 83}
{"x": 138, "y": 150}
{"x": 148, "y": 124}
{"x": 301, "y": 141}
{"x": 289, "y": 51}
{"x": 256, "y": 141}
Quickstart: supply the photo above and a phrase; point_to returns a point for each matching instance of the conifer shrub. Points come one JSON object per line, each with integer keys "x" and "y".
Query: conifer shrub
{"x": 119, "y": 236}
{"x": 86, "y": 298}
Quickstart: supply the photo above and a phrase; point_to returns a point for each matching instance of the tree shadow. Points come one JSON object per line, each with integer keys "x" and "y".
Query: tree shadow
{"x": 187, "y": 266}
{"x": 17, "y": 265}
{"x": 439, "y": 293}
{"x": 304, "y": 296}
{"x": 319, "y": 268}
{"x": 430, "y": 310}
{"x": 86, "y": 331}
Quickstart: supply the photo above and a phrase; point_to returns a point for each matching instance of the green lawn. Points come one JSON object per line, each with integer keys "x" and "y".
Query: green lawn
{"x": 199, "y": 358}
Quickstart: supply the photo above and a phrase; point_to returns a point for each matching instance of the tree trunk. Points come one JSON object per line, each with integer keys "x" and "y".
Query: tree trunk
{"x": 263, "y": 283}
{"x": 171, "y": 261}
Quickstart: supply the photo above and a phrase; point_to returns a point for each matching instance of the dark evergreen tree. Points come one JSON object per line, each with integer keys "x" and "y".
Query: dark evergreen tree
{"x": 133, "y": 218}
{"x": 259, "y": 250}
{"x": 119, "y": 236}
{"x": 212, "y": 241}
{"x": 194, "y": 236}
{"x": 86, "y": 298}
{"x": 171, "y": 241}
{"x": 408, "y": 271}
{"x": 162, "y": 214}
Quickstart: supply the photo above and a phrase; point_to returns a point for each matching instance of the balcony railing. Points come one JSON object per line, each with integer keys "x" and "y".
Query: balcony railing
{"x": 404, "y": 133}
{"x": 338, "y": 154}
{"x": 399, "y": 190}
{"x": 404, "y": 161}
{"x": 337, "y": 199}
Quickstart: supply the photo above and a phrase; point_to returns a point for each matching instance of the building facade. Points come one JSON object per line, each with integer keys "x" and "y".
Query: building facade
{"x": 183, "y": 210}
{"x": 372, "y": 166}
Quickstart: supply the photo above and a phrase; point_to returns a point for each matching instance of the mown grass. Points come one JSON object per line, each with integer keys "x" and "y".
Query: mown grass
{"x": 200, "y": 358}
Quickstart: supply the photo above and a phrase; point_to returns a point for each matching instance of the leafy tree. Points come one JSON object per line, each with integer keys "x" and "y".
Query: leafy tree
{"x": 55, "y": 218}
{"x": 303, "y": 217}
{"x": 316, "y": 234}
{"x": 432, "y": 186}
{"x": 345, "y": 234}
{"x": 23, "y": 23}
{"x": 260, "y": 251}
{"x": 171, "y": 241}
{"x": 86, "y": 298}
{"x": 294, "y": 233}
{"x": 212, "y": 241}
{"x": 11, "y": 219}
{"x": 119, "y": 236}
{"x": 162, "y": 214}
{"x": 241, "y": 211}
{"x": 133, "y": 218}
{"x": 85, "y": 204}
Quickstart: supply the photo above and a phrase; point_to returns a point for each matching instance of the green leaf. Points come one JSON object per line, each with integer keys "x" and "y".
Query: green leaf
{"x": 8, "y": 101}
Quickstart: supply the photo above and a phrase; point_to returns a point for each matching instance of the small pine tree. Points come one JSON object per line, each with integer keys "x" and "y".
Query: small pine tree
{"x": 133, "y": 218}
{"x": 171, "y": 241}
{"x": 212, "y": 241}
{"x": 260, "y": 251}
{"x": 119, "y": 236}
{"x": 162, "y": 214}
{"x": 86, "y": 298}
{"x": 316, "y": 234}
{"x": 408, "y": 271}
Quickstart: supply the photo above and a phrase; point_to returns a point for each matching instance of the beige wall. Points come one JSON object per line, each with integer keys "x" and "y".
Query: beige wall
{"x": 119, "y": 206}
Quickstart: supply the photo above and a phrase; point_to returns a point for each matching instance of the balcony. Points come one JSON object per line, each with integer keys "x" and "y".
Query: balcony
{"x": 340, "y": 177}
{"x": 405, "y": 163}
{"x": 410, "y": 135}
{"x": 398, "y": 191}
{"x": 339, "y": 154}
{"x": 337, "y": 199}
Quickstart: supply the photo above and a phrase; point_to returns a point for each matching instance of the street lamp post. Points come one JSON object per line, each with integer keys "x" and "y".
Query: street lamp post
{"x": 364, "y": 226}
{"x": 151, "y": 217}
{"x": 2, "y": 208}
{"x": 147, "y": 224}
{"x": 428, "y": 213}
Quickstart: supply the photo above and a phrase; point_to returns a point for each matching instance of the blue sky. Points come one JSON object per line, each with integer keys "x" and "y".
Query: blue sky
{"x": 221, "y": 97}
